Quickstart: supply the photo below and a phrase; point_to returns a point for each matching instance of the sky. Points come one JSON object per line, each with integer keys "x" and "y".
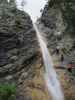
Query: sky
{"x": 32, "y": 7}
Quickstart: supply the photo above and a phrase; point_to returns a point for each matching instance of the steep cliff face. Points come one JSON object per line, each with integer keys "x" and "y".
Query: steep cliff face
{"x": 18, "y": 41}
{"x": 58, "y": 21}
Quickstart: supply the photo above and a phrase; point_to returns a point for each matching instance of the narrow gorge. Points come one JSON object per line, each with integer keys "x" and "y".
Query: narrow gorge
{"x": 37, "y": 50}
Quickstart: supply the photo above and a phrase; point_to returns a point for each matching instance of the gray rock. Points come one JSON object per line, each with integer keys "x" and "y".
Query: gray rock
{"x": 18, "y": 41}
{"x": 59, "y": 20}
{"x": 9, "y": 77}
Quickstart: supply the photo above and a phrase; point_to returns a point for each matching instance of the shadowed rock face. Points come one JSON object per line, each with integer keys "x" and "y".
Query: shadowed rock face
{"x": 18, "y": 41}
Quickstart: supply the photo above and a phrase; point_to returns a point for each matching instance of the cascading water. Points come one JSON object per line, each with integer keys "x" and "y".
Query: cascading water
{"x": 50, "y": 75}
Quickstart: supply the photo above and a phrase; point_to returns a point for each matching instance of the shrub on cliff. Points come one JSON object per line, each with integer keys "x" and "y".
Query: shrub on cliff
{"x": 7, "y": 92}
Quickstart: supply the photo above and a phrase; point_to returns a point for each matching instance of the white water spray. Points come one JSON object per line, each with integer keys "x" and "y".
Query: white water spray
{"x": 50, "y": 75}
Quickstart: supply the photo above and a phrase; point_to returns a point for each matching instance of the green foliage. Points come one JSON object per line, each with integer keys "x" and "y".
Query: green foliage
{"x": 7, "y": 91}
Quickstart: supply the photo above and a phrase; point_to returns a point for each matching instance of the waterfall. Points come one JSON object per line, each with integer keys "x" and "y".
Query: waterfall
{"x": 50, "y": 75}
{"x": 33, "y": 8}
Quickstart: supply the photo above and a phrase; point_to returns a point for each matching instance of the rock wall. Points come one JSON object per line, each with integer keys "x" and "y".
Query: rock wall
{"x": 53, "y": 21}
{"x": 18, "y": 41}
{"x": 58, "y": 22}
